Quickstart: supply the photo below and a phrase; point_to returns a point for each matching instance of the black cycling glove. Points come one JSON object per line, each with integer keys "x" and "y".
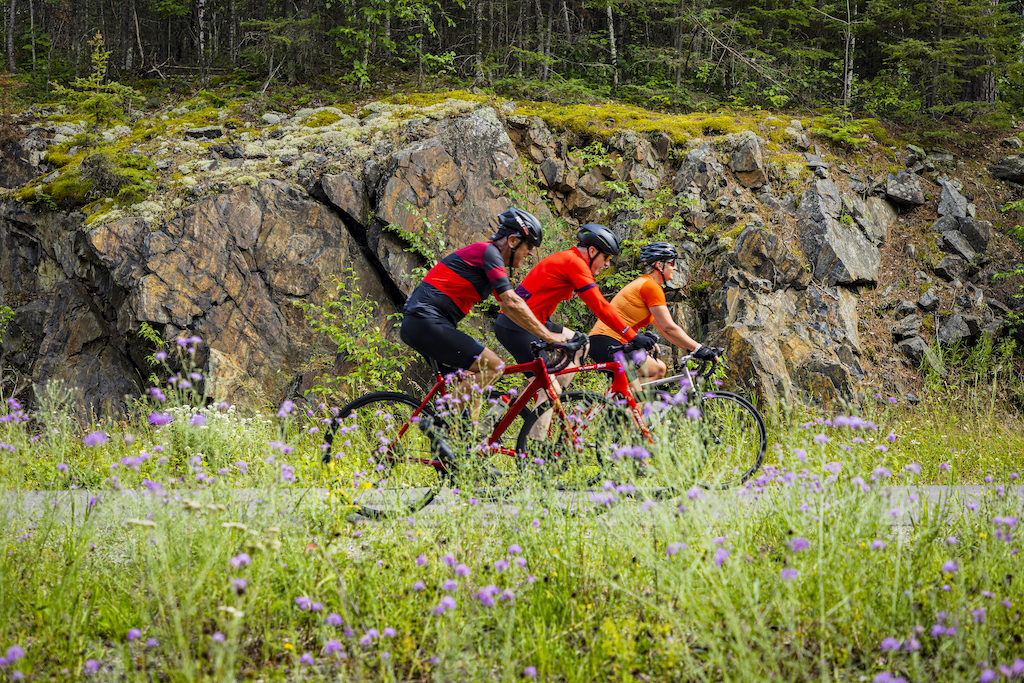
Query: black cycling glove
{"x": 643, "y": 342}
{"x": 705, "y": 353}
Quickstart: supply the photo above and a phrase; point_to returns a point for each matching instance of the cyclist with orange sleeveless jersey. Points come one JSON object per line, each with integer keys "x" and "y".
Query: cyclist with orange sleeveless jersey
{"x": 464, "y": 278}
{"x": 555, "y": 279}
{"x": 641, "y": 302}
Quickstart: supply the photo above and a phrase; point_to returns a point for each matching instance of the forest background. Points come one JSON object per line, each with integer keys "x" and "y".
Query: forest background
{"x": 899, "y": 60}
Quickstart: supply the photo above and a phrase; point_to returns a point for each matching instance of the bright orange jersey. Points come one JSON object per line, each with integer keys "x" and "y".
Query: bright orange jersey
{"x": 633, "y": 303}
{"x": 554, "y": 280}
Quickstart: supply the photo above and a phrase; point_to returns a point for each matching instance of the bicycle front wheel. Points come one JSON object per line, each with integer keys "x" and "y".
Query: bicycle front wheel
{"x": 387, "y": 468}
{"x": 731, "y": 438}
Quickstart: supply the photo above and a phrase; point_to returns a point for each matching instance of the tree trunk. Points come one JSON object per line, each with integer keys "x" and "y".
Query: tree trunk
{"x": 233, "y": 31}
{"x": 547, "y": 42}
{"x": 679, "y": 43}
{"x": 32, "y": 31}
{"x": 520, "y": 43}
{"x": 611, "y": 45}
{"x": 201, "y": 42}
{"x": 478, "y": 70}
{"x": 850, "y": 42}
{"x": 540, "y": 39}
{"x": 12, "y": 64}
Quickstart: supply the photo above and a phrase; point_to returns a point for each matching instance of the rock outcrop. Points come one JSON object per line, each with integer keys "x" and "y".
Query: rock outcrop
{"x": 372, "y": 198}
{"x": 785, "y": 338}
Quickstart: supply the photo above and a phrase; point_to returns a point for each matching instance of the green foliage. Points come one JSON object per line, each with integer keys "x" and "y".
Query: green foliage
{"x": 6, "y": 315}
{"x": 851, "y": 134}
{"x": 362, "y": 337}
{"x": 99, "y": 100}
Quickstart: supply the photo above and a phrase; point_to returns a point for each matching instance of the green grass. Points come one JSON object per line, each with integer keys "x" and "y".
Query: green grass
{"x": 798, "y": 576}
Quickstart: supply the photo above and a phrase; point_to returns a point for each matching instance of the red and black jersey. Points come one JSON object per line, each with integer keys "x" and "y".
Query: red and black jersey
{"x": 460, "y": 280}
{"x": 554, "y": 280}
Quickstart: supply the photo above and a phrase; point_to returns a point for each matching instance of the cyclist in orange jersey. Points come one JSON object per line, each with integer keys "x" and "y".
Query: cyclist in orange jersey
{"x": 641, "y": 302}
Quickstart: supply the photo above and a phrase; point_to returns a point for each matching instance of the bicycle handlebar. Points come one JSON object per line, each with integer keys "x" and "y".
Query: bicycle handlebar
{"x": 564, "y": 351}
{"x": 705, "y": 369}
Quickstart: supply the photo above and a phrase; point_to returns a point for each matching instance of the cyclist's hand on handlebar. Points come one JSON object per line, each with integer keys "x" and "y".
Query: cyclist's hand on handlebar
{"x": 643, "y": 342}
{"x": 705, "y": 353}
{"x": 561, "y": 337}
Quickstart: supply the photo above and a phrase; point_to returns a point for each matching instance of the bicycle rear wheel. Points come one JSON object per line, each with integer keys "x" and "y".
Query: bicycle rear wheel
{"x": 599, "y": 426}
{"x": 387, "y": 468}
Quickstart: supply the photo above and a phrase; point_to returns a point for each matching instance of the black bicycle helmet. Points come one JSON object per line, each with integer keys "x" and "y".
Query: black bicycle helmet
{"x": 658, "y": 251}
{"x": 513, "y": 221}
{"x": 599, "y": 236}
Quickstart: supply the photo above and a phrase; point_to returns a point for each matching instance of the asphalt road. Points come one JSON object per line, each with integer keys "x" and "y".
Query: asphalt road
{"x": 63, "y": 507}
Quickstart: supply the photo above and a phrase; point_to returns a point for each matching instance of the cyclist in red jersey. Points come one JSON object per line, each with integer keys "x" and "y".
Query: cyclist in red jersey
{"x": 554, "y": 280}
{"x": 641, "y": 302}
{"x": 463, "y": 278}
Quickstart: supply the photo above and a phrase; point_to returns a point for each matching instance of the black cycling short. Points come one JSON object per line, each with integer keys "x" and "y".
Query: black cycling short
{"x": 599, "y": 344}
{"x": 437, "y": 337}
{"x": 600, "y": 353}
{"x": 517, "y": 340}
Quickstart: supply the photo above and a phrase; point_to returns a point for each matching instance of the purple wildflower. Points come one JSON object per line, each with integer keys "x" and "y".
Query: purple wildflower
{"x": 674, "y": 548}
{"x": 219, "y": 637}
{"x": 133, "y": 634}
{"x": 461, "y": 570}
{"x": 890, "y": 644}
{"x": 151, "y": 643}
{"x": 240, "y": 560}
{"x": 788, "y": 574}
{"x": 950, "y": 567}
{"x": 160, "y": 419}
{"x": 799, "y": 544}
{"x": 530, "y": 672}
{"x": 450, "y": 585}
{"x": 447, "y": 603}
{"x": 306, "y": 659}
{"x": 721, "y": 555}
{"x": 878, "y": 544}
{"x": 91, "y": 666}
{"x": 303, "y": 602}
{"x": 62, "y": 467}
{"x": 95, "y": 439}
{"x": 501, "y": 565}
{"x": 197, "y": 420}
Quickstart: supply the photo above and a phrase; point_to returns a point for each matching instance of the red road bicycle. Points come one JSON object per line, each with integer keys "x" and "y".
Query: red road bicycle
{"x": 402, "y": 450}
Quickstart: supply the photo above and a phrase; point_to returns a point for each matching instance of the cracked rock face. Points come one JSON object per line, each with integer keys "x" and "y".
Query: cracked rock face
{"x": 782, "y": 336}
{"x": 229, "y": 270}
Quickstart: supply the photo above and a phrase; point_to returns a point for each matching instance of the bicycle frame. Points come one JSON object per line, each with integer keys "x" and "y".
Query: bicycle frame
{"x": 541, "y": 381}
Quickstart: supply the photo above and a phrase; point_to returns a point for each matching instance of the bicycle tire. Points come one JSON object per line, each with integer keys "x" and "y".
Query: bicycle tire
{"x": 600, "y": 426}
{"x": 386, "y": 460}
{"x": 734, "y": 439}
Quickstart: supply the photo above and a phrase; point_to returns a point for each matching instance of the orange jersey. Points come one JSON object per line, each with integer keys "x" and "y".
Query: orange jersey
{"x": 633, "y": 303}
